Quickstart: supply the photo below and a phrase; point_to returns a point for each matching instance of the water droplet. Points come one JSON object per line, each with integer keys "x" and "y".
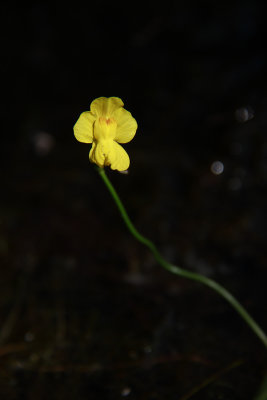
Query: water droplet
{"x": 147, "y": 349}
{"x": 244, "y": 114}
{"x": 29, "y": 337}
{"x": 44, "y": 143}
{"x": 126, "y": 391}
{"x": 217, "y": 167}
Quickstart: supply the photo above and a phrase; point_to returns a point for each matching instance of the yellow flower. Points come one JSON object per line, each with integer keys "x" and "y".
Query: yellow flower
{"x": 105, "y": 125}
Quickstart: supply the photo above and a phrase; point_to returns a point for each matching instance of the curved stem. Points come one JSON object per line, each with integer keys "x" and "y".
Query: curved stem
{"x": 180, "y": 271}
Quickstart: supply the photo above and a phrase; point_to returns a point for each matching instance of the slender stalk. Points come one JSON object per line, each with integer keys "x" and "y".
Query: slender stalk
{"x": 180, "y": 271}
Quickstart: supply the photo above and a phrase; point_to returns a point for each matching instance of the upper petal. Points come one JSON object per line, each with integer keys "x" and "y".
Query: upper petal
{"x": 105, "y": 106}
{"x": 126, "y": 125}
{"x": 104, "y": 128}
{"x": 83, "y": 129}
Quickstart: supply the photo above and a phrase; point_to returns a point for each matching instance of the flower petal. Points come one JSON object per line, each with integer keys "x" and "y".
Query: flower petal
{"x": 105, "y": 106}
{"x": 92, "y": 153}
{"x": 118, "y": 158}
{"x": 110, "y": 153}
{"x": 83, "y": 129}
{"x": 104, "y": 129}
{"x": 97, "y": 155}
{"x": 126, "y": 125}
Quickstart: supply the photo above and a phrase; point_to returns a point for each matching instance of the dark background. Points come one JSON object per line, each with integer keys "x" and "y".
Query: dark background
{"x": 85, "y": 311}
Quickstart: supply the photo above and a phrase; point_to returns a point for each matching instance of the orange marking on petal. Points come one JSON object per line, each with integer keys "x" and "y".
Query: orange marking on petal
{"x": 107, "y": 121}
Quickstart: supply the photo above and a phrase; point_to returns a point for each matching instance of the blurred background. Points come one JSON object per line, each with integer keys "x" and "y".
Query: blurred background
{"x": 85, "y": 311}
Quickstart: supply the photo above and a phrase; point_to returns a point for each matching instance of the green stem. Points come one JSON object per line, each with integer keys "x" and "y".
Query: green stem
{"x": 180, "y": 271}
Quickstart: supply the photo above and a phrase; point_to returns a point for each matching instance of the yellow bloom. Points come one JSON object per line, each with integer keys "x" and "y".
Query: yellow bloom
{"x": 105, "y": 125}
